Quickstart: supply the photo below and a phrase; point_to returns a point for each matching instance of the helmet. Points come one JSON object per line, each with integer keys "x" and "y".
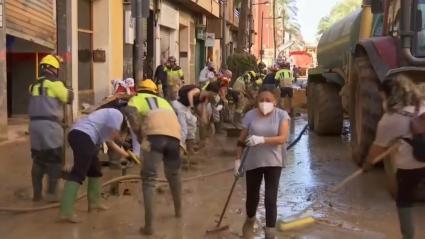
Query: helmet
{"x": 261, "y": 65}
{"x": 148, "y": 85}
{"x": 51, "y": 60}
{"x": 172, "y": 59}
{"x": 250, "y": 75}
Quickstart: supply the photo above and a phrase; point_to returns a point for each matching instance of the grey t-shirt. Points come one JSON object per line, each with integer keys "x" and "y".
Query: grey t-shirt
{"x": 392, "y": 128}
{"x": 264, "y": 155}
{"x": 100, "y": 124}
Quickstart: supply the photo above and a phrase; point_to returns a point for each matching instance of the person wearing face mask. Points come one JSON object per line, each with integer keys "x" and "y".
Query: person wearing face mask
{"x": 265, "y": 131}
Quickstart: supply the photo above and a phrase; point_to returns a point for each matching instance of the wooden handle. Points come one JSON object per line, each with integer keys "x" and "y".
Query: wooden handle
{"x": 360, "y": 171}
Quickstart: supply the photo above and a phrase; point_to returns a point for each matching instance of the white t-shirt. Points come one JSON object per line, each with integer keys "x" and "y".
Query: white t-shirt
{"x": 101, "y": 124}
{"x": 393, "y": 127}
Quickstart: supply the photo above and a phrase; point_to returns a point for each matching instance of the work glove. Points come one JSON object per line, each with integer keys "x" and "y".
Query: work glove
{"x": 219, "y": 107}
{"x": 237, "y": 166}
{"x": 254, "y": 140}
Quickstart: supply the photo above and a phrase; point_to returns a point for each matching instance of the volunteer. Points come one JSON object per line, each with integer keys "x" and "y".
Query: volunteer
{"x": 402, "y": 100}
{"x": 207, "y": 74}
{"x": 285, "y": 79}
{"x": 161, "y": 78}
{"x": 175, "y": 77}
{"x": 246, "y": 86}
{"x": 199, "y": 102}
{"x": 265, "y": 130}
{"x": 45, "y": 110}
{"x": 163, "y": 133}
{"x": 85, "y": 139}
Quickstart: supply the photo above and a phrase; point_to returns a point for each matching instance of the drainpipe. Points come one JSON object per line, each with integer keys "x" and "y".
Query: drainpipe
{"x": 406, "y": 33}
{"x": 224, "y": 37}
{"x": 138, "y": 43}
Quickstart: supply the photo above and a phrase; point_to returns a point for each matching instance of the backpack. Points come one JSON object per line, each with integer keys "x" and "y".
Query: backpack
{"x": 417, "y": 128}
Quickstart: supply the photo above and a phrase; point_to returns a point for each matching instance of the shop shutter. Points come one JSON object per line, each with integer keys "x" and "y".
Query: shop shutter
{"x": 32, "y": 20}
{"x": 165, "y": 42}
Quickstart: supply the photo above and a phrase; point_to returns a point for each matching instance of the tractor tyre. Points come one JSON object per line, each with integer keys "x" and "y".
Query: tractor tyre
{"x": 328, "y": 116}
{"x": 367, "y": 105}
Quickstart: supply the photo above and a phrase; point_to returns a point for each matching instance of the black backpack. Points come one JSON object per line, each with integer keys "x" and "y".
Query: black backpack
{"x": 417, "y": 128}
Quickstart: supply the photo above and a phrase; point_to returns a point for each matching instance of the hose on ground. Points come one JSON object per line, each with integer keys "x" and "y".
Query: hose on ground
{"x": 129, "y": 178}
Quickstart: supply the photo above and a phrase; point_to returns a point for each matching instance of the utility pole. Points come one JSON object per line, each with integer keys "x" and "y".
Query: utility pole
{"x": 261, "y": 41}
{"x": 3, "y": 78}
{"x": 64, "y": 49}
{"x": 242, "y": 34}
{"x": 224, "y": 37}
{"x": 138, "y": 44}
{"x": 251, "y": 23}
{"x": 129, "y": 13}
{"x": 274, "y": 28}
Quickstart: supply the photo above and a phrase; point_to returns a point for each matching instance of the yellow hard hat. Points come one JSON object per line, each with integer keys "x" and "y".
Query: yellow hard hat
{"x": 50, "y": 60}
{"x": 149, "y": 85}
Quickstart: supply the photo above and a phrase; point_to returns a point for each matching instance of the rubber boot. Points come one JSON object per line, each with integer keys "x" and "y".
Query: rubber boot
{"x": 67, "y": 204}
{"x": 248, "y": 228}
{"x": 176, "y": 190}
{"x": 54, "y": 172}
{"x": 37, "y": 173}
{"x": 93, "y": 195}
{"x": 270, "y": 233}
{"x": 406, "y": 222}
{"x": 148, "y": 200}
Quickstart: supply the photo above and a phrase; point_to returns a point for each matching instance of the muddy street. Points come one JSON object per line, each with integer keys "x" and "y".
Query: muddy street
{"x": 364, "y": 209}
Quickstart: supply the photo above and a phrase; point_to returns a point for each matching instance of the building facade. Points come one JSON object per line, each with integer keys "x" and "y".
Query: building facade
{"x": 103, "y": 39}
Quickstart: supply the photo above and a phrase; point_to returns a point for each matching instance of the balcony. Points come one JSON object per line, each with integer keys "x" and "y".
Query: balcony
{"x": 210, "y": 8}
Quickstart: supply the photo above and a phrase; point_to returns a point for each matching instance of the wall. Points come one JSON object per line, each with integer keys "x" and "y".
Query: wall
{"x": 101, "y": 40}
{"x": 117, "y": 41}
{"x": 187, "y": 45}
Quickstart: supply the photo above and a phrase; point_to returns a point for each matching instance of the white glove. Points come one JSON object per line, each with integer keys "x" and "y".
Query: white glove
{"x": 254, "y": 140}
{"x": 237, "y": 166}
{"x": 219, "y": 107}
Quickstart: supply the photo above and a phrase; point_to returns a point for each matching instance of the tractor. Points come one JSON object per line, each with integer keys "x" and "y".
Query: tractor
{"x": 354, "y": 57}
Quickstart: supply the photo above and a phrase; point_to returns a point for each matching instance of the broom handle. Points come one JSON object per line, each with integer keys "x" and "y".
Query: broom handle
{"x": 233, "y": 187}
{"x": 360, "y": 171}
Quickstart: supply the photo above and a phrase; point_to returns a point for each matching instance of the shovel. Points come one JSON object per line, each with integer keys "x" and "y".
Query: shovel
{"x": 219, "y": 228}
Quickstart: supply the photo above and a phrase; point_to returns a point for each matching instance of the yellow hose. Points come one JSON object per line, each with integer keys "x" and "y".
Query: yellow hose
{"x": 125, "y": 178}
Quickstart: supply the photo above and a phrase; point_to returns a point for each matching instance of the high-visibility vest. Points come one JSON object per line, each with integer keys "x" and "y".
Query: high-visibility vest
{"x": 284, "y": 77}
{"x": 46, "y": 99}
{"x": 144, "y": 103}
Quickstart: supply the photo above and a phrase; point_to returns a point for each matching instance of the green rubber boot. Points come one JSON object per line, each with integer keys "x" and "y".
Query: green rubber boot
{"x": 93, "y": 195}
{"x": 67, "y": 204}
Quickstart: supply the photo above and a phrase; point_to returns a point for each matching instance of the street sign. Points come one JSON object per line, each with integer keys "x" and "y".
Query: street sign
{"x": 209, "y": 39}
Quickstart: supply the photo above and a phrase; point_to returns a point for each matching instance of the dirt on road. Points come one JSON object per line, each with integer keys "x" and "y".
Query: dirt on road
{"x": 363, "y": 209}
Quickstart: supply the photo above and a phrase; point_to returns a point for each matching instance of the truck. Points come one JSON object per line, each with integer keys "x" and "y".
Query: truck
{"x": 354, "y": 57}
{"x": 303, "y": 60}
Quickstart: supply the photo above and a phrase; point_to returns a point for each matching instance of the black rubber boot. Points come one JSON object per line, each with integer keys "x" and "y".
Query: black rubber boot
{"x": 54, "y": 172}
{"x": 37, "y": 173}
{"x": 270, "y": 233}
{"x": 406, "y": 222}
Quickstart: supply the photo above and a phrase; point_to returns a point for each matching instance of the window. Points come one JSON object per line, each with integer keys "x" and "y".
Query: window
{"x": 85, "y": 40}
{"x": 420, "y": 30}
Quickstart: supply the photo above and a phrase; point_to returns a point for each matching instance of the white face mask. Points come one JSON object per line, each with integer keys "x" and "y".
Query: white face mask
{"x": 266, "y": 107}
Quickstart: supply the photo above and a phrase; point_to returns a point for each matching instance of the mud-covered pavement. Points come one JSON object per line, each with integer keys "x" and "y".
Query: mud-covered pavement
{"x": 363, "y": 209}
